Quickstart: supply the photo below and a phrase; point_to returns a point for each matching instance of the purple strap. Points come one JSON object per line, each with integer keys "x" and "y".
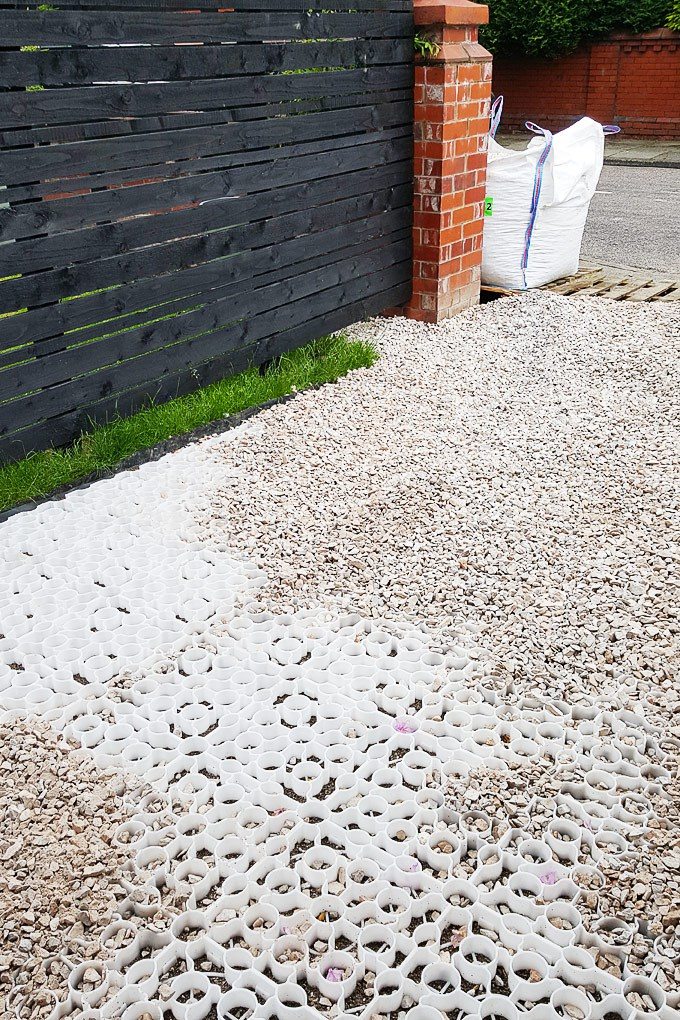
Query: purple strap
{"x": 536, "y": 194}
{"x": 496, "y": 114}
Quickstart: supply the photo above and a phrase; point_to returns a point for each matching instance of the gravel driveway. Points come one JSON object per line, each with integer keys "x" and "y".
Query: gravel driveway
{"x": 376, "y": 696}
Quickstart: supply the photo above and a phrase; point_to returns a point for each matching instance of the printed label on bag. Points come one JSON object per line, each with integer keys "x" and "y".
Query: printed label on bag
{"x": 488, "y": 206}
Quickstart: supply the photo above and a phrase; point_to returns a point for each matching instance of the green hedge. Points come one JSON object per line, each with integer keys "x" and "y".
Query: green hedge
{"x": 548, "y": 28}
{"x": 674, "y": 16}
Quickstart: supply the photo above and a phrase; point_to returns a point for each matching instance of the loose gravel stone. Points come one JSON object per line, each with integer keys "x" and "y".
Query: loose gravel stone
{"x": 512, "y": 470}
{"x": 62, "y": 877}
{"x": 504, "y": 483}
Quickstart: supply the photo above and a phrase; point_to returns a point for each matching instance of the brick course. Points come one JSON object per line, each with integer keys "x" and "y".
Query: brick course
{"x": 629, "y": 80}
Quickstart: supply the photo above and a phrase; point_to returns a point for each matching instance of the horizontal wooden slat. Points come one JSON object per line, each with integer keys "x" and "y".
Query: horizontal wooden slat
{"x": 83, "y": 66}
{"x": 94, "y": 103}
{"x": 90, "y": 28}
{"x": 216, "y": 5}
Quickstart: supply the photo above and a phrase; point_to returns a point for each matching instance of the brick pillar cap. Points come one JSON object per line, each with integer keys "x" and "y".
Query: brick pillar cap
{"x": 460, "y": 12}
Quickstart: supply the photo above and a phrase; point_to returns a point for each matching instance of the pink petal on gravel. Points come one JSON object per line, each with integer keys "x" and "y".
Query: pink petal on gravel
{"x": 335, "y": 974}
{"x": 404, "y": 726}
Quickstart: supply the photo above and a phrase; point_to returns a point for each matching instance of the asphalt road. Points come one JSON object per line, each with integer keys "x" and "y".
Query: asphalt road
{"x": 634, "y": 219}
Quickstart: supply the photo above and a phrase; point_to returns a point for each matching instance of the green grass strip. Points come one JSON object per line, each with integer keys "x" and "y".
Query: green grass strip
{"x": 40, "y": 474}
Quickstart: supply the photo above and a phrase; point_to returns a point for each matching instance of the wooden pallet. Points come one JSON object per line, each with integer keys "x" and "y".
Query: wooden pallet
{"x": 617, "y": 283}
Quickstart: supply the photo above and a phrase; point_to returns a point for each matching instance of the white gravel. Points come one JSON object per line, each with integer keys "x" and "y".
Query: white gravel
{"x": 511, "y": 474}
{"x": 501, "y": 487}
{"x": 514, "y": 468}
{"x": 63, "y": 877}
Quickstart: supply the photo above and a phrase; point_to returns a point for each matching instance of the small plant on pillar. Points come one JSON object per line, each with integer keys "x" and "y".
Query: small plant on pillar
{"x": 425, "y": 47}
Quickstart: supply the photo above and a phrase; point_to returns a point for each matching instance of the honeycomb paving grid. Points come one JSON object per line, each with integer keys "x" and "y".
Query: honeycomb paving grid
{"x": 320, "y": 864}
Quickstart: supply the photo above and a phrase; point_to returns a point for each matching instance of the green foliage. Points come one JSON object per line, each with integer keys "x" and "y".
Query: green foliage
{"x": 548, "y": 28}
{"x": 323, "y": 361}
{"x": 425, "y": 47}
{"x": 674, "y": 16}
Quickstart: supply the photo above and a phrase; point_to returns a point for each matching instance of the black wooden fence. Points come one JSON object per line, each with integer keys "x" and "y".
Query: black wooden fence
{"x": 185, "y": 193}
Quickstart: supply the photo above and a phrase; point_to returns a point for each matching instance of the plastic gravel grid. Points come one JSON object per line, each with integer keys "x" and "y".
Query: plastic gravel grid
{"x": 306, "y": 760}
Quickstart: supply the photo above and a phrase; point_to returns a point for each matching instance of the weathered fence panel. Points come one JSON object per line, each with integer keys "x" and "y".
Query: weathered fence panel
{"x": 185, "y": 193}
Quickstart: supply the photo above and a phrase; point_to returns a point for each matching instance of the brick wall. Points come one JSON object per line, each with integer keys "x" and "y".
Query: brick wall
{"x": 633, "y": 81}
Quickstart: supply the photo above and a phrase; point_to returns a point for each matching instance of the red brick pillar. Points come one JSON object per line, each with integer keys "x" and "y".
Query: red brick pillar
{"x": 452, "y": 98}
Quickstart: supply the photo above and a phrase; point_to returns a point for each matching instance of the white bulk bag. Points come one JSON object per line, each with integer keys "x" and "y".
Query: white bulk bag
{"x": 534, "y": 223}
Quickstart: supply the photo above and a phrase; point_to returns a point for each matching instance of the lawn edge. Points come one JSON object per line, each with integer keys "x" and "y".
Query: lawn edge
{"x": 152, "y": 453}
